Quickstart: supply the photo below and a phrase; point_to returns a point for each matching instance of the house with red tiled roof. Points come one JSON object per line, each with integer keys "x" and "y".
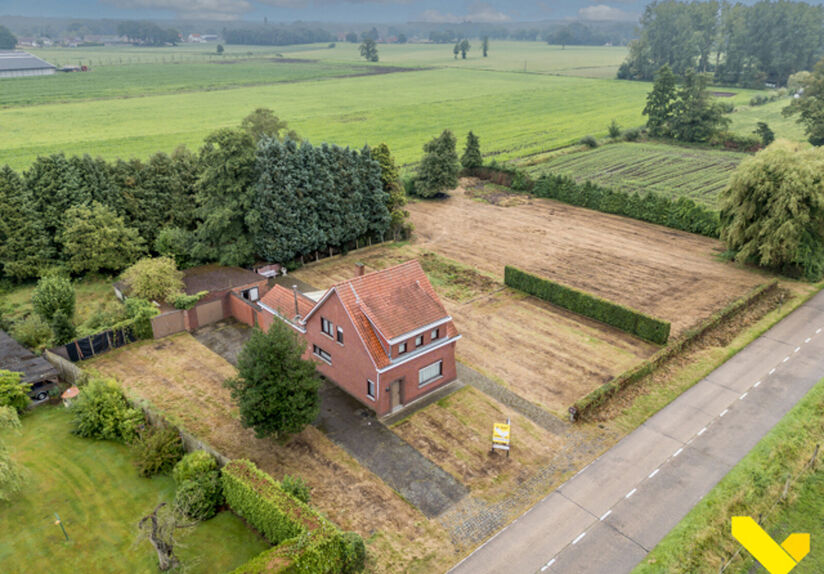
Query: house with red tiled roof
{"x": 383, "y": 337}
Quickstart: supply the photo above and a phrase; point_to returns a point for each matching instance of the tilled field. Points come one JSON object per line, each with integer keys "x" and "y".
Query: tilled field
{"x": 669, "y": 274}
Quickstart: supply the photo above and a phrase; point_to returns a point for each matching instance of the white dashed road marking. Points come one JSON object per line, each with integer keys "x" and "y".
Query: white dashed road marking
{"x": 702, "y": 431}
{"x": 724, "y": 412}
{"x": 607, "y": 513}
{"x": 631, "y": 492}
{"x": 653, "y": 473}
{"x": 677, "y": 452}
{"x": 742, "y": 397}
{"x": 580, "y": 537}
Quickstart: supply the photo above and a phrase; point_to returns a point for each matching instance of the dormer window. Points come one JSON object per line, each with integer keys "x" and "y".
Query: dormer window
{"x": 435, "y": 334}
{"x": 419, "y": 341}
{"x": 401, "y": 348}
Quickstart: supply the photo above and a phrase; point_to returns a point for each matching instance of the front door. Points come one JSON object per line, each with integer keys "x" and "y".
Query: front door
{"x": 395, "y": 393}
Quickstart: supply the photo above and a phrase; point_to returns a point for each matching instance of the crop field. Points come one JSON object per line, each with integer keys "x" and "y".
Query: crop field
{"x": 94, "y": 487}
{"x": 672, "y": 171}
{"x": 514, "y": 114}
{"x": 183, "y": 380}
{"x": 665, "y": 273}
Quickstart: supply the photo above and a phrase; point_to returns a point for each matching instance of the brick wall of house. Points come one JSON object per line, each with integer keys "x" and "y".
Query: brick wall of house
{"x": 408, "y": 373}
{"x": 351, "y": 365}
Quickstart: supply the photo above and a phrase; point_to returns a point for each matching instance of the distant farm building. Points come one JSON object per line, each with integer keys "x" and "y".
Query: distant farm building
{"x": 19, "y": 64}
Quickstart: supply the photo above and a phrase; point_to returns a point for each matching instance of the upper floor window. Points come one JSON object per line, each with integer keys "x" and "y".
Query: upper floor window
{"x": 326, "y": 326}
{"x": 340, "y": 335}
{"x": 401, "y": 348}
{"x": 436, "y": 333}
{"x": 419, "y": 340}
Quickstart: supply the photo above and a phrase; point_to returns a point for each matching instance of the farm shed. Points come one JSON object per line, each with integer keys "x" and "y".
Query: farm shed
{"x": 18, "y": 64}
{"x": 36, "y": 370}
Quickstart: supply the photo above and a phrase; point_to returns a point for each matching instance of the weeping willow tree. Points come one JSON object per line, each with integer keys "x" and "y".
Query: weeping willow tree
{"x": 772, "y": 214}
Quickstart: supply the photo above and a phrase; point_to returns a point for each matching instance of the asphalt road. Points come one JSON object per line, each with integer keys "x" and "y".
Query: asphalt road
{"x": 613, "y": 512}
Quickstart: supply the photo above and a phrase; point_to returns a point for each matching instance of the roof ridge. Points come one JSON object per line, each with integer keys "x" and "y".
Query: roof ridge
{"x": 384, "y": 270}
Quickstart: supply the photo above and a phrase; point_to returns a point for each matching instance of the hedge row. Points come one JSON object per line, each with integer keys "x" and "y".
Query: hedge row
{"x": 588, "y": 404}
{"x": 682, "y": 213}
{"x": 307, "y": 542}
{"x": 629, "y": 320}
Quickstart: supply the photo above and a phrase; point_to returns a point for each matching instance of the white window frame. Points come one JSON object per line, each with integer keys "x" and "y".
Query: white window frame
{"x": 254, "y": 294}
{"x": 419, "y": 341}
{"x": 401, "y": 348}
{"x": 435, "y": 334}
{"x": 432, "y": 378}
{"x": 370, "y": 384}
{"x": 339, "y": 336}
{"x": 322, "y": 354}
{"x": 327, "y": 324}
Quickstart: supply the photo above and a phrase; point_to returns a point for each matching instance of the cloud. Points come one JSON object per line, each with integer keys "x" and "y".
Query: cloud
{"x": 601, "y": 12}
{"x": 486, "y": 13}
{"x": 194, "y": 9}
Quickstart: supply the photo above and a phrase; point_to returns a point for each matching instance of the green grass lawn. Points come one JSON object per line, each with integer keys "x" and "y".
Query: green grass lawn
{"x": 702, "y": 542}
{"x": 669, "y": 170}
{"x": 514, "y": 114}
{"x": 745, "y": 119}
{"x": 95, "y": 489}
{"x": 92, "y": 294}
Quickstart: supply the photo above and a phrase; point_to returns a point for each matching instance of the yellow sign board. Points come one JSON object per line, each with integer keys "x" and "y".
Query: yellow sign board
{"x": 775, "y": 558}
{"x": 500, "y": 436}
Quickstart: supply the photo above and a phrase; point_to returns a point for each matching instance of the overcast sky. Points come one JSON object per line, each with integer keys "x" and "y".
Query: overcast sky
{"x": 332, "y": 10}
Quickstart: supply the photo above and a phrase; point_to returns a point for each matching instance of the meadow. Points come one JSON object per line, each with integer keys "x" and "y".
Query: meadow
{"x": 94, "y": 487}
{"x": 668, "y": 170}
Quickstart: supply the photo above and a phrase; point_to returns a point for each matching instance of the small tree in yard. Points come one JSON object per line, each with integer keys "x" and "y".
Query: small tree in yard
{"x": 53, "y": 293}
{"x": 12, "y": 392}
{"x": 471, "y": 157}
{"x": 154, "y": 279}
{"x": 439, "y": 169}
{"x": 159, "y": 528}
{"x": 157, "y": 450}
{"x": 275, "y": 389}
{"x": 369, "y": 50}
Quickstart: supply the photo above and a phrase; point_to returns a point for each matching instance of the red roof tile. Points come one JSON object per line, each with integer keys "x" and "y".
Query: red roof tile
{"x": 282, "y": 300}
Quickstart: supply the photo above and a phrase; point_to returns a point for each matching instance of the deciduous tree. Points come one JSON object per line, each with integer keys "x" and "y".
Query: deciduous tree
{"x": 96, "y": 239}
{"x": 154, "y": 279}
{"x": 275, "y": 389}
{"x": 810, "y": 105}
{"x": 13, "y": 392}
{"x": 264, "y": 123}
{"x": 54, "y": 292}
{"x": 369, "y": 50}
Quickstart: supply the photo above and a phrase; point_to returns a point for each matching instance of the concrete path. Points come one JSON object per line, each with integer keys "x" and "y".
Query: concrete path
{"x": 612, "y": 513}
{"x": 352, "y": 426}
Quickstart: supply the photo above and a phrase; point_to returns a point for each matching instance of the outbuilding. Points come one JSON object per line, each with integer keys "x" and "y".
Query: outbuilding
{"x": 15, "y": 64}
{"x": 36, "y": 371}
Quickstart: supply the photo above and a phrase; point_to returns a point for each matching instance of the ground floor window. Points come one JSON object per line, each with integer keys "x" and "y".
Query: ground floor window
{"x": 430, "y": 373}
{"x": 370, "y": 389}
{"x": 322, "y": 354}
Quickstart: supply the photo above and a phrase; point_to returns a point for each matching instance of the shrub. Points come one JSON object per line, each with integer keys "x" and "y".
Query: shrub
{"x": 408, "y": 182}
{"x": 199, "y": 498}
{"x": 154, "y": 279}
{"x": 183, "y": 301}
{"x": 589, "y": 141}
{"x": 297, "y": 488}
{"x": 53, "y": 293}
{"x": 618, "y": 316}
{"x": 614, "y": 130}
{"x": 726, "y": 107}
{"x": 12, "y": 392}
{"x": 759, "y": 100}
{"x": 140, "y": 313}
{"x": 32, "y": 332}
{"x": 632, "y": 134}
{"x": 62, "y": 328}
{"x": 194, "y": 465}
{"x": 354, "y": 553}
{"x": 157, "y": 450}
{"x": 101, "y": 411}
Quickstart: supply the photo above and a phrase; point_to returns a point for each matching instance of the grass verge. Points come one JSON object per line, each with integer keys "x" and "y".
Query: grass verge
{"x": 702, "y": 542}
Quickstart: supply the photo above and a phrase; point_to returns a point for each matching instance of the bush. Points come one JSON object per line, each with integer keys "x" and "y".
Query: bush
{"x": 12, "y": 392}
{"x": 614, "y": 130}
{"x": 183, "y": 301}
{"x": 297, "y": 488}
{"x": 53, "y": 293}
{"x": 726, "y": 107}
{"x": 199, "y": 498}
{"x": 62, "y": 328}
{"x": 759, "y": 100}
{"x": 589, "y": 141}
{"x": 140, "y": 313}
{"x": 618, "y": 316}
{"x": 632, "y": 134}
{"x": 101, "y": 411}
{"x": 157, "y": 450}
{"x": 154, "y": 279}
{"x": 682, "y": 213}
{"x": 32, "y": 332}
{"x": 354, "y": 553}
{"x": 194, "y": 465}
{"x": 408, "y": 182}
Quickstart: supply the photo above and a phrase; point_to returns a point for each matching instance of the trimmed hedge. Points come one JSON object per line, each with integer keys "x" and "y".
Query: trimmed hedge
{"x": 307, "y": 542}
{"x": 682, "y": 213}
{"x": 624, "y": 318}
{"x": 588, "y": 404}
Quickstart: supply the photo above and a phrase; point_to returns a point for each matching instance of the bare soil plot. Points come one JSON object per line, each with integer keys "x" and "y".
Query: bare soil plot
{"x": 183, "y": 379}
{"x": 545, "y": 354}
{"x": 456, "y": 433}
{"x": 669, "y": 274}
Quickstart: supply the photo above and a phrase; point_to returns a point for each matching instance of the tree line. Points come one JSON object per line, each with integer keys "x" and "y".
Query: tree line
{"x": 736, "y": 43}
{"x": 276, "y": 35}
{"x": 250, "y": 192}
{"x": 148, "y": 33}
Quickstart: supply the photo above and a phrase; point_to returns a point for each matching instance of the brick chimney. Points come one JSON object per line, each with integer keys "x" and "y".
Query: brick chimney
{"x": 297, "y": 310}
{"x": 359, "y": 269}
